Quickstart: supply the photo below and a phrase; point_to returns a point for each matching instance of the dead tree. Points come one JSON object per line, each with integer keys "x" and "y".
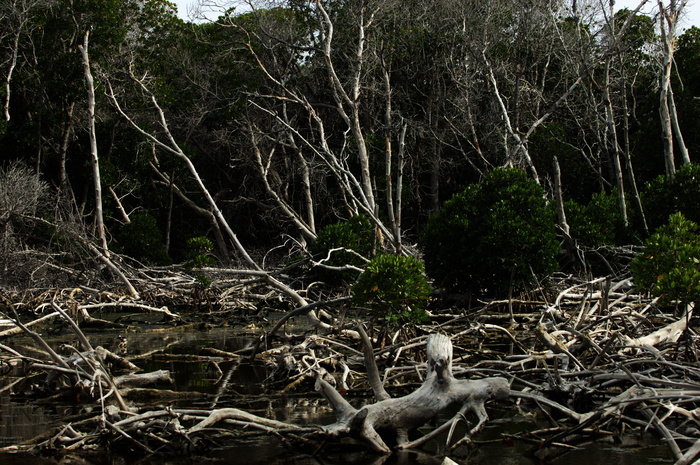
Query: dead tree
{"x": 667, "y": 109}
{"x": 391, "y": 419}
{"x": 99, "y": 221}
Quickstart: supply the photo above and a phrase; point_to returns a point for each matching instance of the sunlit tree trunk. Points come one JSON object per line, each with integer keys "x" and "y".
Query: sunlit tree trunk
{"x": 170, "y": 145}
{"x": 667, "y": 110}
{"x": 169, "y": 182}
{"x": 99, "y": 220}
{"x": 16, "y": 16}
{"x": 388, "y": 153}
{"x": 401, "y": 162}
{"x": 263, "y": 161}
{"x": 350, "y": 98}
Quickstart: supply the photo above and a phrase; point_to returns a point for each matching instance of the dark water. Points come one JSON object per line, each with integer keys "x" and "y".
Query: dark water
{"x": 24, "y": 419}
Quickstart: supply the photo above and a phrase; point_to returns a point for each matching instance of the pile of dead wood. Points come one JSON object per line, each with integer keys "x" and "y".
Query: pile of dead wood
{"x": 595, "y": 358}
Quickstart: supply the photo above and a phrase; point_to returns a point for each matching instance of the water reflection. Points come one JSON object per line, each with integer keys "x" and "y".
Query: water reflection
{"x": 21, "y": 421}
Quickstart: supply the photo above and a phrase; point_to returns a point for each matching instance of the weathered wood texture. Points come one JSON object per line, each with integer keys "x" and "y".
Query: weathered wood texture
{"x": 391, "y": 419}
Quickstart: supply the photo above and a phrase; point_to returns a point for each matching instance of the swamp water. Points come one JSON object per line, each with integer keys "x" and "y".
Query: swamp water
{"x": 22, "y": 419}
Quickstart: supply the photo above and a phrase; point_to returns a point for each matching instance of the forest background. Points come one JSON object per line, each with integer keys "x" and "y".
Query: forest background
{"x": 362, "y": 161}
{"x": 239, "y": 140}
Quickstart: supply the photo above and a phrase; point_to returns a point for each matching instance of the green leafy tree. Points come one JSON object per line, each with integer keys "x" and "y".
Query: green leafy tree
{"x": 142, "y": 239}
{"x": 396, "y": 289}
{"x": 199, "y": 254}
{"x": 687, "y": 86}
{"x": 598, "y": 222}
{"x": 495, "y": 234}
{"x": 199, "y": 250}
{"x": 669, "y": 267}
{"x": 666, "y": 195}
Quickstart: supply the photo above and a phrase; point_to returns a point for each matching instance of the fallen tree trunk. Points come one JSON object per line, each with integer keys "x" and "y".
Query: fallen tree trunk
{"x": 391, "y": 419}
{"x": 144, "y": 379}
{"x": 669, "y": 333}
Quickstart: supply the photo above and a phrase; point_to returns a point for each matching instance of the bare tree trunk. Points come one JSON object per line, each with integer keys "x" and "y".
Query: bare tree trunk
{"x": 685, "y": 156}
{"x": 351, "y": 99}
{"x": 522, "y": 140}
{"x": 169, "y": 221}
{"x": 99, "y": 220}
{"x": 306, "y": 186}
{"x": 63, "y": 150}
{"x": 613, "y": 147}
{"x": 120, "y": 206}
{"x": 16, "y": 15}
{"x": 561, "y": 213}
{"x": 664, "y": 111}
{"x": 399, "y": 185}
{"x": 667, "y": 109}
{"x": 568, "y": 244}
{"x": 172, "y": 147}
{"x": 356, "y": 184}
{"x": 308, "y": 220}
{"x": 388, "y": 153}
{"x": 263, "y": 163}
{"x": 521, "y": 144}
{"x": 10, "y": 71}
{"x": 636, "y": 198}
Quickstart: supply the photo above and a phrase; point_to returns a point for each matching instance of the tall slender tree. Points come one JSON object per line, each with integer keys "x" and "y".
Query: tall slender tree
{"x": 670, "y": 128}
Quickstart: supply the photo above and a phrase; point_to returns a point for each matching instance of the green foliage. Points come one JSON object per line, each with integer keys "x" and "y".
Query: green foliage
{"x": 551, "y": 141}
{"x": 669, "y": 267}
{"x": 598, "y": 222}
{"x": 204, "y": 76}
{"x": 494, "y": 233}
{"x": 640, "y": 31}
{"x": 355, "y": 235}
{"x": 687, "y": 61}
{"x": 198, "y": 253}
{"x": 202, "y": 280}
{"x": 666, "y": 195}
{"x": 142, "y": 239}
{"x": 396, "y": 289}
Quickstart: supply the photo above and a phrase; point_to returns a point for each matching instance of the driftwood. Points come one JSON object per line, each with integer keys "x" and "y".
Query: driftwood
{"x": 669, "y": 333}
{"x": 16, "y": 329}
{"x": 394, "y": 418}
{"x": 143, "y": 379}
{"x": 587, "y": 358}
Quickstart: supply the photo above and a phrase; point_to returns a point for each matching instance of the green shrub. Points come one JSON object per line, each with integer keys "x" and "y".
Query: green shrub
{"x": 666, "y": 195}
{"x": 198, "y": 252}
{"x": 495, "y": 233}
{"x": 597, "y": 223}
{"x": 396, "y": 289}
{"x": 355, "y": 234}
{"x": 669, "y": 267}
{"x": 142, "y": 240}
